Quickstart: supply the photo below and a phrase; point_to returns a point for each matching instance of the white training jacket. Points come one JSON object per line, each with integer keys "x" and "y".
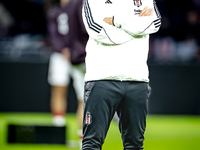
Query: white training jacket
{"x": 118, "y": 52}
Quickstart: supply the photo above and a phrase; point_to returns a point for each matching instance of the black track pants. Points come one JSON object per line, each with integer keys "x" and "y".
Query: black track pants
{"x": 102, "y": 100}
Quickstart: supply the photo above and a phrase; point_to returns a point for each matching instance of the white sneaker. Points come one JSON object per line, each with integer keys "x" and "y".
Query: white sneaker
{"x": 59, "y": 120}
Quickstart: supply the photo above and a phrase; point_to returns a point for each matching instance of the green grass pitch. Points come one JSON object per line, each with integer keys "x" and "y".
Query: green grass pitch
{"x": 163, "y": 132}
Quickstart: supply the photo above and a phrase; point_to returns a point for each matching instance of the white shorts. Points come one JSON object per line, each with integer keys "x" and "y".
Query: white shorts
{"x": 60, "y": 71}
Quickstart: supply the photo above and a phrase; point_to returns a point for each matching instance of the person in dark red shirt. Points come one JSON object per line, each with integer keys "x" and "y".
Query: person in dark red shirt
{"x": 68, "y": 38}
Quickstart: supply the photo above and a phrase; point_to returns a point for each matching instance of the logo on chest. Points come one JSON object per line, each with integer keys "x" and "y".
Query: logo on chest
{"x": 108, "y": 2}
{"x": 137, "y": 3}
{"x": 137, "y": 11}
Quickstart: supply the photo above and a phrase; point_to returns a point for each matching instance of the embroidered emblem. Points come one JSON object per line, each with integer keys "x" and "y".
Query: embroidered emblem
{"x": 137, "y": 3}
{"x": 108, "y": 2}
{"x": 88, "y": 118}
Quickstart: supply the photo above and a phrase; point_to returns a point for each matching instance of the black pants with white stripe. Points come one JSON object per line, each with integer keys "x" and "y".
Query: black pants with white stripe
{"x": 102, "y": 100}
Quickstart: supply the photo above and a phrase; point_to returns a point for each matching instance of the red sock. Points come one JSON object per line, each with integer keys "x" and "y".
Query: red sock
{"x": 58, "y": 113}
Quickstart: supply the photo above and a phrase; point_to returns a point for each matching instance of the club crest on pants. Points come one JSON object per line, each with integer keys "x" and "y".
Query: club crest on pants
{"x": 137, "y": 3}
{"x": 88, "y": 118}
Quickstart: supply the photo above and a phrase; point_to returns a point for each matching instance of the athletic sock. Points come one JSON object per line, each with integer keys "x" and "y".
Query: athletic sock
{"x": 59, "y": 118}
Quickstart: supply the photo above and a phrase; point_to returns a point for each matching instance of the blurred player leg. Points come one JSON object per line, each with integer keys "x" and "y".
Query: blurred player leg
{"x": 58, "y": 104}
{"x": 58, "y": 78}
{"x": 78, "y": 73}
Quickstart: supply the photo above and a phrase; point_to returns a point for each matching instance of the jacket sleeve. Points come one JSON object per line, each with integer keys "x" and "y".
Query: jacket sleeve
{"x": 83, "y": 32}
{"x": 99, "y": 30}
{"x": 136, "y": 25}
{"x": 56, "y": 42}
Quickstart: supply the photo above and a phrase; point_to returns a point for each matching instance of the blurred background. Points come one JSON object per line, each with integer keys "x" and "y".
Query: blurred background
{"x": 174, "y": 65}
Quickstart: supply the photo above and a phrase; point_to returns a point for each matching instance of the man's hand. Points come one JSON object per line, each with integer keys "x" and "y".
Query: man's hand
{"x": 146, "y": 12}
{"x": 109, "y": 20}
{"x": 66, "y": 53}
